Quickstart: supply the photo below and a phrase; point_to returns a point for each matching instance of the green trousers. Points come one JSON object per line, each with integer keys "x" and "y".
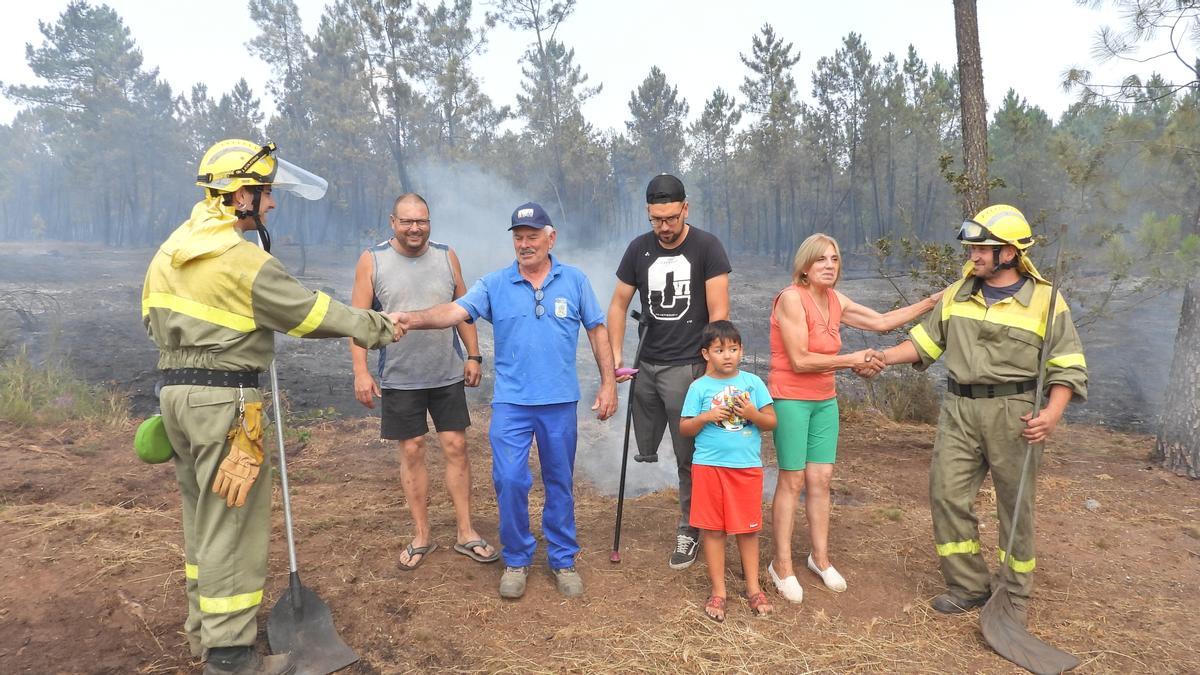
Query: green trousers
{"x": 973, "y": 437}
{"x": 225, "y": 547}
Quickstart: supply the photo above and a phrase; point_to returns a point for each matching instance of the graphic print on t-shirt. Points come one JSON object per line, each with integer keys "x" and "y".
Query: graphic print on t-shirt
{"x": 726, "y": 398}
{"x": 669, "y": 280}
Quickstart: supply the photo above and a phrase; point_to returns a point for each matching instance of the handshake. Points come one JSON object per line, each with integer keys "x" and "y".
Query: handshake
{"x": 868, "y": 363}
{"x": 399, "y": 324}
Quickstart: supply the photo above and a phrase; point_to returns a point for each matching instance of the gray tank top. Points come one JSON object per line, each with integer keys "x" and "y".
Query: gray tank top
{"x": 422, "y": 359}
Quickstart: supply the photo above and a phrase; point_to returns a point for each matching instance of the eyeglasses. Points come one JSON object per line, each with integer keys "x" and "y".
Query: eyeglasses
{"x": 538, "y": 309}
{"x": 409, "y": 222}
{"x": 668, "y": 221}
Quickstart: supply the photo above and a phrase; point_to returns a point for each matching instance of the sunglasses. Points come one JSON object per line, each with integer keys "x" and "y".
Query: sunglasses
{"x": 538, "y": 309}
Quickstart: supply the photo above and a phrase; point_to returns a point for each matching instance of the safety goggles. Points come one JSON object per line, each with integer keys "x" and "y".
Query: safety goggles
{"x": 974, "y": 233}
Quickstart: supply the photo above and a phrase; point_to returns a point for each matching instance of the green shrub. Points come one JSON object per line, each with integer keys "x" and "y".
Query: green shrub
{"x": 33, "y": 395}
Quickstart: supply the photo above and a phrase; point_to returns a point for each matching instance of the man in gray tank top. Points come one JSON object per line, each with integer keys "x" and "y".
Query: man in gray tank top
{"x": 426, "y": 374}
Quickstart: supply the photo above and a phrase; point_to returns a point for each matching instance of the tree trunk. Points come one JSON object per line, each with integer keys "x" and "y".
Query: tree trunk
{"x": 973, "y": 106}
{"x": 778, "y": 252}
{"x": 727, "y": 202}
{"x": 1178, "y": 445}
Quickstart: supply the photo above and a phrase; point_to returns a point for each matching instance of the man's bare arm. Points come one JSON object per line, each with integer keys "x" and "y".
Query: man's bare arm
{"x": 362, "y": 295}
{"x": 467, "y": 331}
{"x": 606, "y": 399}
{"x": 444, "y": 315}
{"x": 716, "y": 292}
{"x": 622, "y": 295}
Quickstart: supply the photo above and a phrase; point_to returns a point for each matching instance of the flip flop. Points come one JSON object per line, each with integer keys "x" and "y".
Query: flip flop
{"x": 717, "y": 604}
{"x": 468, "y": 549}
{"x": 422, "y": 551}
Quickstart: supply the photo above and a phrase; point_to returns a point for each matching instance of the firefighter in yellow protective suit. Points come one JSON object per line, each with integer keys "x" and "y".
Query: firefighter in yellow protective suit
{"x": 212, "y": 303}
{"x": 989, "y": 327}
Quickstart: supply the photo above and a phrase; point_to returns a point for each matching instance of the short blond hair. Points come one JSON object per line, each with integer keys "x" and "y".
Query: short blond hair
{"x": 808, "y": 253}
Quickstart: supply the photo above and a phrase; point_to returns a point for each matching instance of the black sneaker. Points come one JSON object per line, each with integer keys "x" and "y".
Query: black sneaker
{"x": 650, "y": 458}
{"x": 686, "y": 546}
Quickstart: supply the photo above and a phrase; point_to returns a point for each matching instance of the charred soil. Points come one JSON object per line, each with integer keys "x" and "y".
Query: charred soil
{"x": 91, "y": 566}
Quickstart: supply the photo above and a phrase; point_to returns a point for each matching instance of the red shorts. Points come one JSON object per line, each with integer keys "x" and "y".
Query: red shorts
{"x": 727, "y": 500}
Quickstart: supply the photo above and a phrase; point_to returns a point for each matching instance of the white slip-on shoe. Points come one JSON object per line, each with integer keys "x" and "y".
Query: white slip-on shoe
{"x": 833, "y": 580}
{"x": 789, "y": 588}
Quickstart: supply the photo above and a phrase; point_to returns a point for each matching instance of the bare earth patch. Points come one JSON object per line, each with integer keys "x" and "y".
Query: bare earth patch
{"x": 91, "y": 560}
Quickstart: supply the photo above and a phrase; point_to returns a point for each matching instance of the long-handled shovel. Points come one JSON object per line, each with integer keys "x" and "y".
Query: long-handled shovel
{"x": 301, "y": 622}
{"x": 637, "y": 358}
{"x": 1000, "y": 621}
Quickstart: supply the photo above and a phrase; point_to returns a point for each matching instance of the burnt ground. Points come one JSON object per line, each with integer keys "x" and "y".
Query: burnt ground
{"x": 90, "y": 543}
{"x": 91, "y": 566}
{"x": 82, "y": 303}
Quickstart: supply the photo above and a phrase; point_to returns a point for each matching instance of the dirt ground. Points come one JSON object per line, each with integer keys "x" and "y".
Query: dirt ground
{"x": 91, "y": 576}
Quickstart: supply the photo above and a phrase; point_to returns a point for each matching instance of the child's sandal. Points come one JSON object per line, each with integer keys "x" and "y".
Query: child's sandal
{"x": 759, "y": 604}
{"x": 715, "y": 608}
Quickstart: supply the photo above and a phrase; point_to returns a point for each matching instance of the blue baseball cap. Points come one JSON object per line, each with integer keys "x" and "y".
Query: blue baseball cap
{"x": 530, "y": 214}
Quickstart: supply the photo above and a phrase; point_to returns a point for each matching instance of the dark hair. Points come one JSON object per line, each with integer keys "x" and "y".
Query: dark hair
{"x": 719, "y": 330}
{"x": 410, "y": 197}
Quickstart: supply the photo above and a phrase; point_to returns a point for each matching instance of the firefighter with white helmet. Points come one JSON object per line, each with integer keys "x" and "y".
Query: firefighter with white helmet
{"x": 989, "y": 327}
{"x": 212, "y": 302}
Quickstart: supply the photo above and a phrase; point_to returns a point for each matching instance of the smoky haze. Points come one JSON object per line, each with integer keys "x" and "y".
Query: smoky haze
{"x": 99, "y": 166}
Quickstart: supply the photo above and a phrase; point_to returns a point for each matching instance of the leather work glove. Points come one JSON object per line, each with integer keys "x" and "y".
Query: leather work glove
{"x": 239, "y": 469}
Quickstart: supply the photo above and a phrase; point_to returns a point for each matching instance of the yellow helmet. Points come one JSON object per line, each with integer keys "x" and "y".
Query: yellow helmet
{"x": 235, "y": 163}
{"x": 997, "y": 225}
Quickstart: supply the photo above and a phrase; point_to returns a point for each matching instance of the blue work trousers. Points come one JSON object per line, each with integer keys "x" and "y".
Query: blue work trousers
{"x": 512, "y": 432}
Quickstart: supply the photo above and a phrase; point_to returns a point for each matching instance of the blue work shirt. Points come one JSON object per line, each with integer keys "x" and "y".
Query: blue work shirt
{"x": 734, "y": 443}
{"x": 535, "y": 356}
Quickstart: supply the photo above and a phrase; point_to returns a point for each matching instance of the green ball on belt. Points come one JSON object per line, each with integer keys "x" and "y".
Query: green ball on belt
{"x": 151, "y": 442}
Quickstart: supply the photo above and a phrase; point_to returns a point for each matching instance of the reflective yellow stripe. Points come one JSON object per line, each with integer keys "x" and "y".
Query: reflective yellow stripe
{"x": 971, "y": 546}
{"x": 1068, "y": 361}
{"x": 1019, "y": 566}
{"x": 1024, "y": 322}
{"x": 925, "y": 342}
{"x": 191, "y": 571}
{"x": 315, "y": 316}
{"x": 198, "y": 310}
{"x": 230, "y": 604}
{"x": 967, "y": 310}
{"x": 1010, "y": 312}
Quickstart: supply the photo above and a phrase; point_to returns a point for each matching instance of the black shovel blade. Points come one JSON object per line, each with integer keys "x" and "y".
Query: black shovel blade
{"x": 302, "y": 624}
{"x": 1005, "y": 632}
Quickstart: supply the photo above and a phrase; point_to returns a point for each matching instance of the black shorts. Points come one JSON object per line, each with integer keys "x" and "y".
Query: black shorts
{"x": 403, "y": 414}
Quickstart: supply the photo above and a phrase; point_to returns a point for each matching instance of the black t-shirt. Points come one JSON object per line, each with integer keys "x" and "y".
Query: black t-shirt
{"x": 671, "y": 285}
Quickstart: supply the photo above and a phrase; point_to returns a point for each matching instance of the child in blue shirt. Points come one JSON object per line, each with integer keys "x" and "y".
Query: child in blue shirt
{"x": 725, "y": 410}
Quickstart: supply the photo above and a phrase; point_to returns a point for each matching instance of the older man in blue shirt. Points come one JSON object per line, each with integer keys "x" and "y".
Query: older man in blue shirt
{"x": 536, "y": 306}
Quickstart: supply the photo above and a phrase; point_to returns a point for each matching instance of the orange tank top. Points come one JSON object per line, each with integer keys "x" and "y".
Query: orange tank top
{"x": 823, "y": 338}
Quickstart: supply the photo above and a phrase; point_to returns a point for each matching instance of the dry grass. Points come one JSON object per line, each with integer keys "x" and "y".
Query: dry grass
{"x": 50, "y": 394}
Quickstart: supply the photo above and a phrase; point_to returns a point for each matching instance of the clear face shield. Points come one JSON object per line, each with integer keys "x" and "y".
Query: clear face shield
{"x": 298, "y": 181}
{"x": 283, "y": 175}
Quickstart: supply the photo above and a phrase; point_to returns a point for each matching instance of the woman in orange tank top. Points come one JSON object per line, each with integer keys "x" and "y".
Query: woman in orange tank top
{"x": 805, "y": 351}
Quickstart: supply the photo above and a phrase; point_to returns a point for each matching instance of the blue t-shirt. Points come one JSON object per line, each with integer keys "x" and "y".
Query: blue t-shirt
{"x": 535, "y": 351}
{"x": 734, "y": 443}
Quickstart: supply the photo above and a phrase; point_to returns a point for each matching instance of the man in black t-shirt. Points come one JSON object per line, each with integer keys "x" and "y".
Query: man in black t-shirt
{"x": 682, "y": 276}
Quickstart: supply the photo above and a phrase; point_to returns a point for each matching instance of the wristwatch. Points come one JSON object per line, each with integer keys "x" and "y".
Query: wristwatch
{"x": 477, "y": 359}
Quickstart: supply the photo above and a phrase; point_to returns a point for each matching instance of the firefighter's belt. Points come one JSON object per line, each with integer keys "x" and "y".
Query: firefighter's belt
{"x": 989, "y": 390}
{"x": 211, "y": 378}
